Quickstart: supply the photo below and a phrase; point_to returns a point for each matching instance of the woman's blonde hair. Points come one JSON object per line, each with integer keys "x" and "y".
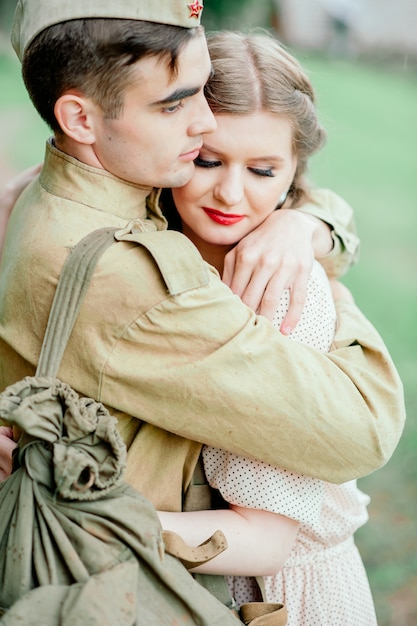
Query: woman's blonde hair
{"x": 253, "y": 72}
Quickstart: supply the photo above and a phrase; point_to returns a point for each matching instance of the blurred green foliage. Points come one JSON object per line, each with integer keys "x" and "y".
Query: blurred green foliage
{"x": 7, "y": 8}
{"x": 237, "y": 14}
{"x": 220, "y": 10}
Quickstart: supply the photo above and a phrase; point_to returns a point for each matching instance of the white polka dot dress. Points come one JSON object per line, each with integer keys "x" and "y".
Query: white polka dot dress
{"x": 323, "y": 582}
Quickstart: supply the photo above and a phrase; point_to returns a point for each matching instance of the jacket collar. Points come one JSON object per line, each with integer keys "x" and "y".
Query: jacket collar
{"x": 66, "y": 177}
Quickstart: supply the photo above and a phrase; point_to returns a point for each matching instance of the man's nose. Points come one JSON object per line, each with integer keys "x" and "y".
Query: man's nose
{"x": 203, "y": 121}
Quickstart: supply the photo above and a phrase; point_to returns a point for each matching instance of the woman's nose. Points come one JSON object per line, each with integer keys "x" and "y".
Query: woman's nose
{"x": 229, "y": 189}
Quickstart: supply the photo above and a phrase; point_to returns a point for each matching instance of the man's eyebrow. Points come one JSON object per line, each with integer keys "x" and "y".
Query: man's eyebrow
{"x": 178, "y": 94}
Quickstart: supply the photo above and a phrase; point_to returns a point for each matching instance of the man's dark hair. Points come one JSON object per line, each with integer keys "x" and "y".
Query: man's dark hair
{"x": 95, "y": 56}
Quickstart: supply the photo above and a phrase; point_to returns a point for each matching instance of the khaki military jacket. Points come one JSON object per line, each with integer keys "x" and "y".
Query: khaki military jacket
{"x": 332, "y": 209}
{"x": 175, "y": 356}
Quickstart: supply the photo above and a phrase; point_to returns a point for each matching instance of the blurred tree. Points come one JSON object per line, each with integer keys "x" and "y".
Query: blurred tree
{"x": 7, "y": 8}
{"x": 218, "y": 13}
{"x": 234, "y": 14}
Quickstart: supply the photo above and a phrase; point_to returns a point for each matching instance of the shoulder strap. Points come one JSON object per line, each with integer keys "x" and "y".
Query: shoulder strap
{"x": 70, "y": 292}
{"x": 180, "y": 272}
{"x": 177, "y": 258}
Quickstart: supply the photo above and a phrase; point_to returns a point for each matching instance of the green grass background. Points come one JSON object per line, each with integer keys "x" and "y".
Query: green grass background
{"x": 370, "y": 160}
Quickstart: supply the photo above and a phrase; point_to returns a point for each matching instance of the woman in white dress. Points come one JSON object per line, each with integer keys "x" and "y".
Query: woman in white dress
{"x": 290, "y": 537}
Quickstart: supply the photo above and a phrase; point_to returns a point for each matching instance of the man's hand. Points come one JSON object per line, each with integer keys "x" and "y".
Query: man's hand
{"x": 7, "y": 445}
{"x": 279, "y": 254}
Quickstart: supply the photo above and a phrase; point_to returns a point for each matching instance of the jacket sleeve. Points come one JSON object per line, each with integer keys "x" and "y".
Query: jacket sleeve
{"x": 201, "y": 365}
{"x": 333, "y": 210}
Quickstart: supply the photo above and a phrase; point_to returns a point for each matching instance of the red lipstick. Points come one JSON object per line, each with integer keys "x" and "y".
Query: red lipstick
{"x": 226, "y": 219}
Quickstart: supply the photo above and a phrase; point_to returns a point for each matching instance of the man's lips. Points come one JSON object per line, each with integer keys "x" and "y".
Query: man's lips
{"x": 190, "y": 156}
{"x": 226, "y": 219}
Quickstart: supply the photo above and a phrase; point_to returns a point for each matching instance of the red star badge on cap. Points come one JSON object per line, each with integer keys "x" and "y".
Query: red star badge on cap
{"x": 195, "y": 9}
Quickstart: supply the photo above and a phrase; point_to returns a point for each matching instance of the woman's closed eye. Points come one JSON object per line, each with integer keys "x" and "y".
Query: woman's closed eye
{"x": 259, "y": 171}
{"x": 200, "y": 162}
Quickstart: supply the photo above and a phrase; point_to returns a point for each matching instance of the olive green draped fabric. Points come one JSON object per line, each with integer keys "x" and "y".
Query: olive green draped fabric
{"x": 79, "y": 546}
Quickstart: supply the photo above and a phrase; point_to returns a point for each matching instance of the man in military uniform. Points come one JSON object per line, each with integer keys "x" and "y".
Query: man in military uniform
{"x": 160, "y": 340}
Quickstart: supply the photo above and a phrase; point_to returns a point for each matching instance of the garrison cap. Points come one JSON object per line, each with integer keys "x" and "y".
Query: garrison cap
{"x": 33, "y": 16}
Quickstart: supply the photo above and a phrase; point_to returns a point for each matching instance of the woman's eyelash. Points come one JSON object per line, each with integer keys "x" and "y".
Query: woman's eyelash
{"x": 202, "y": 163}
{"x": 261, "y": 172}
{"x": 199, "y": 162}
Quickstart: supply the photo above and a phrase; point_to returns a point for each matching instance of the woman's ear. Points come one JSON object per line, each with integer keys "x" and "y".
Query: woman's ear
{"x": 75, "y": 114}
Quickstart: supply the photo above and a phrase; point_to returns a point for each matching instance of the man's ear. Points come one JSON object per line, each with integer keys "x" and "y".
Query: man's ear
{"x": 75, "y": 115}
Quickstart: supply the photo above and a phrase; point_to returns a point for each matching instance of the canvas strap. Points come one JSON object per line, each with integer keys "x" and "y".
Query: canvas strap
{"x": 72, "y": 286}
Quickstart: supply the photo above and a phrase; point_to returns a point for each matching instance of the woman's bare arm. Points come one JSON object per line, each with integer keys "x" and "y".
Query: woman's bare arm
{"x": 258, "y": 542}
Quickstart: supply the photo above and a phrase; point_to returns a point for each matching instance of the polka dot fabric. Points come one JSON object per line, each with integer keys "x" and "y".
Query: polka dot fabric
{"x": 323, "y": 582}
{"x": 317, "y": 323}
{"x": 255, "y": 485}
